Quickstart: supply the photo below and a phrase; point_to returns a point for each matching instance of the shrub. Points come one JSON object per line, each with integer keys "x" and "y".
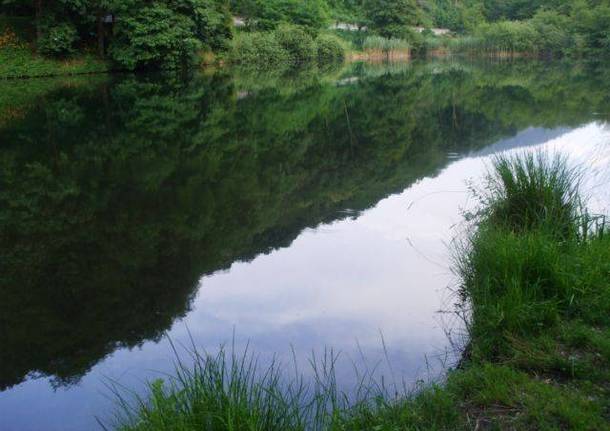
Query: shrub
{"x": 329, "y": 49}
{"x": 58, "y": 40}
{"x": 297, "y": 42}
{"x": 258, "y": 49}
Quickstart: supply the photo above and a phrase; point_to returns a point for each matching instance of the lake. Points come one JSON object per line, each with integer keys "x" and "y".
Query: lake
{"x": 293, "y": 215}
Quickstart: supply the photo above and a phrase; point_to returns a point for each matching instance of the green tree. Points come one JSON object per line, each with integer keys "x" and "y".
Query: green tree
{"x": 268, "y": 14}
{"x": 212, "y": 19}
{"x": 154, "y": 36}
{"x": 391, "y": 18}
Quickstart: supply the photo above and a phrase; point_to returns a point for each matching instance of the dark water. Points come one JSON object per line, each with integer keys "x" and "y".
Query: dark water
{"x": 311, "y": 211}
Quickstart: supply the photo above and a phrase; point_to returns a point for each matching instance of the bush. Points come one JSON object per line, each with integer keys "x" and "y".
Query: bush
{"x": 288, "y": 45}
{"x": 297, "y": 42}
{"x": 258, "y": 49}
{"x": 329, "y": 49}
{"x": 58, "y": 40}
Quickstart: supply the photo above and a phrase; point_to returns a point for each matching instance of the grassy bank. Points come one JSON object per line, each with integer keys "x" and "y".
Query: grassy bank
{"x": 535, "y": 287}
{"x": 18, "y": 59}
{"x": 21, "y": 62}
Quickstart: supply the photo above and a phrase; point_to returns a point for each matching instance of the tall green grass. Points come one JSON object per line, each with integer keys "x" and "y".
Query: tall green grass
{"x": 232, "y": 391}
{"x": 525, "y": 267}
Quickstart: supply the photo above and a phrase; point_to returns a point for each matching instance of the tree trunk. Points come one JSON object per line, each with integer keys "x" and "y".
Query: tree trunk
{"x": 100, "y": 34}
{"x": 37, "y": 18}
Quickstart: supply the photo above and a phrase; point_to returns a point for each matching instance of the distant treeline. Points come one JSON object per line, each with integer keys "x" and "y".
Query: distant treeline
{"x": 549, "y": 27}
{"x": 136, "y": 34}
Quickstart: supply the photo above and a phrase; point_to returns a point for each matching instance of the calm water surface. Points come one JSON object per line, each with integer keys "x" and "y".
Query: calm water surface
{"x": 305, "y": 212}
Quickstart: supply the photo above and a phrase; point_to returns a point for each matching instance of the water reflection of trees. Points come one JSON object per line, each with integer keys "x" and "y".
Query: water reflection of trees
{"x": 116, "y": 197}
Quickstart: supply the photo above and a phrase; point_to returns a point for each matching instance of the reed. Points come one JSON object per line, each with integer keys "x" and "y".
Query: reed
{"x": 390, "y": 48}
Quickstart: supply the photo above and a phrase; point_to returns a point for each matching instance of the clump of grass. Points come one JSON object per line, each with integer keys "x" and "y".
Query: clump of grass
{"x": 534, "y": 191}
{"x": 219, "y": 392}
{"x": 231, "y": 391}
{"x": 525, "y": 268}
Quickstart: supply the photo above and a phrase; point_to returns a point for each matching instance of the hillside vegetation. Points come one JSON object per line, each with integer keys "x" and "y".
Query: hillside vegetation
{"x": 81, "y": 36}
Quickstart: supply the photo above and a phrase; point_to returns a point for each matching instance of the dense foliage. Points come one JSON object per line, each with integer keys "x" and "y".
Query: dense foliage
{"x": 391, "y": 18}
{"x": 542, "y": 28}
{"x": 555, "y": 28}
{"x": 268, "y": 14}
{"x": 170, "y": 33}
{"x": 133, "y": 33}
